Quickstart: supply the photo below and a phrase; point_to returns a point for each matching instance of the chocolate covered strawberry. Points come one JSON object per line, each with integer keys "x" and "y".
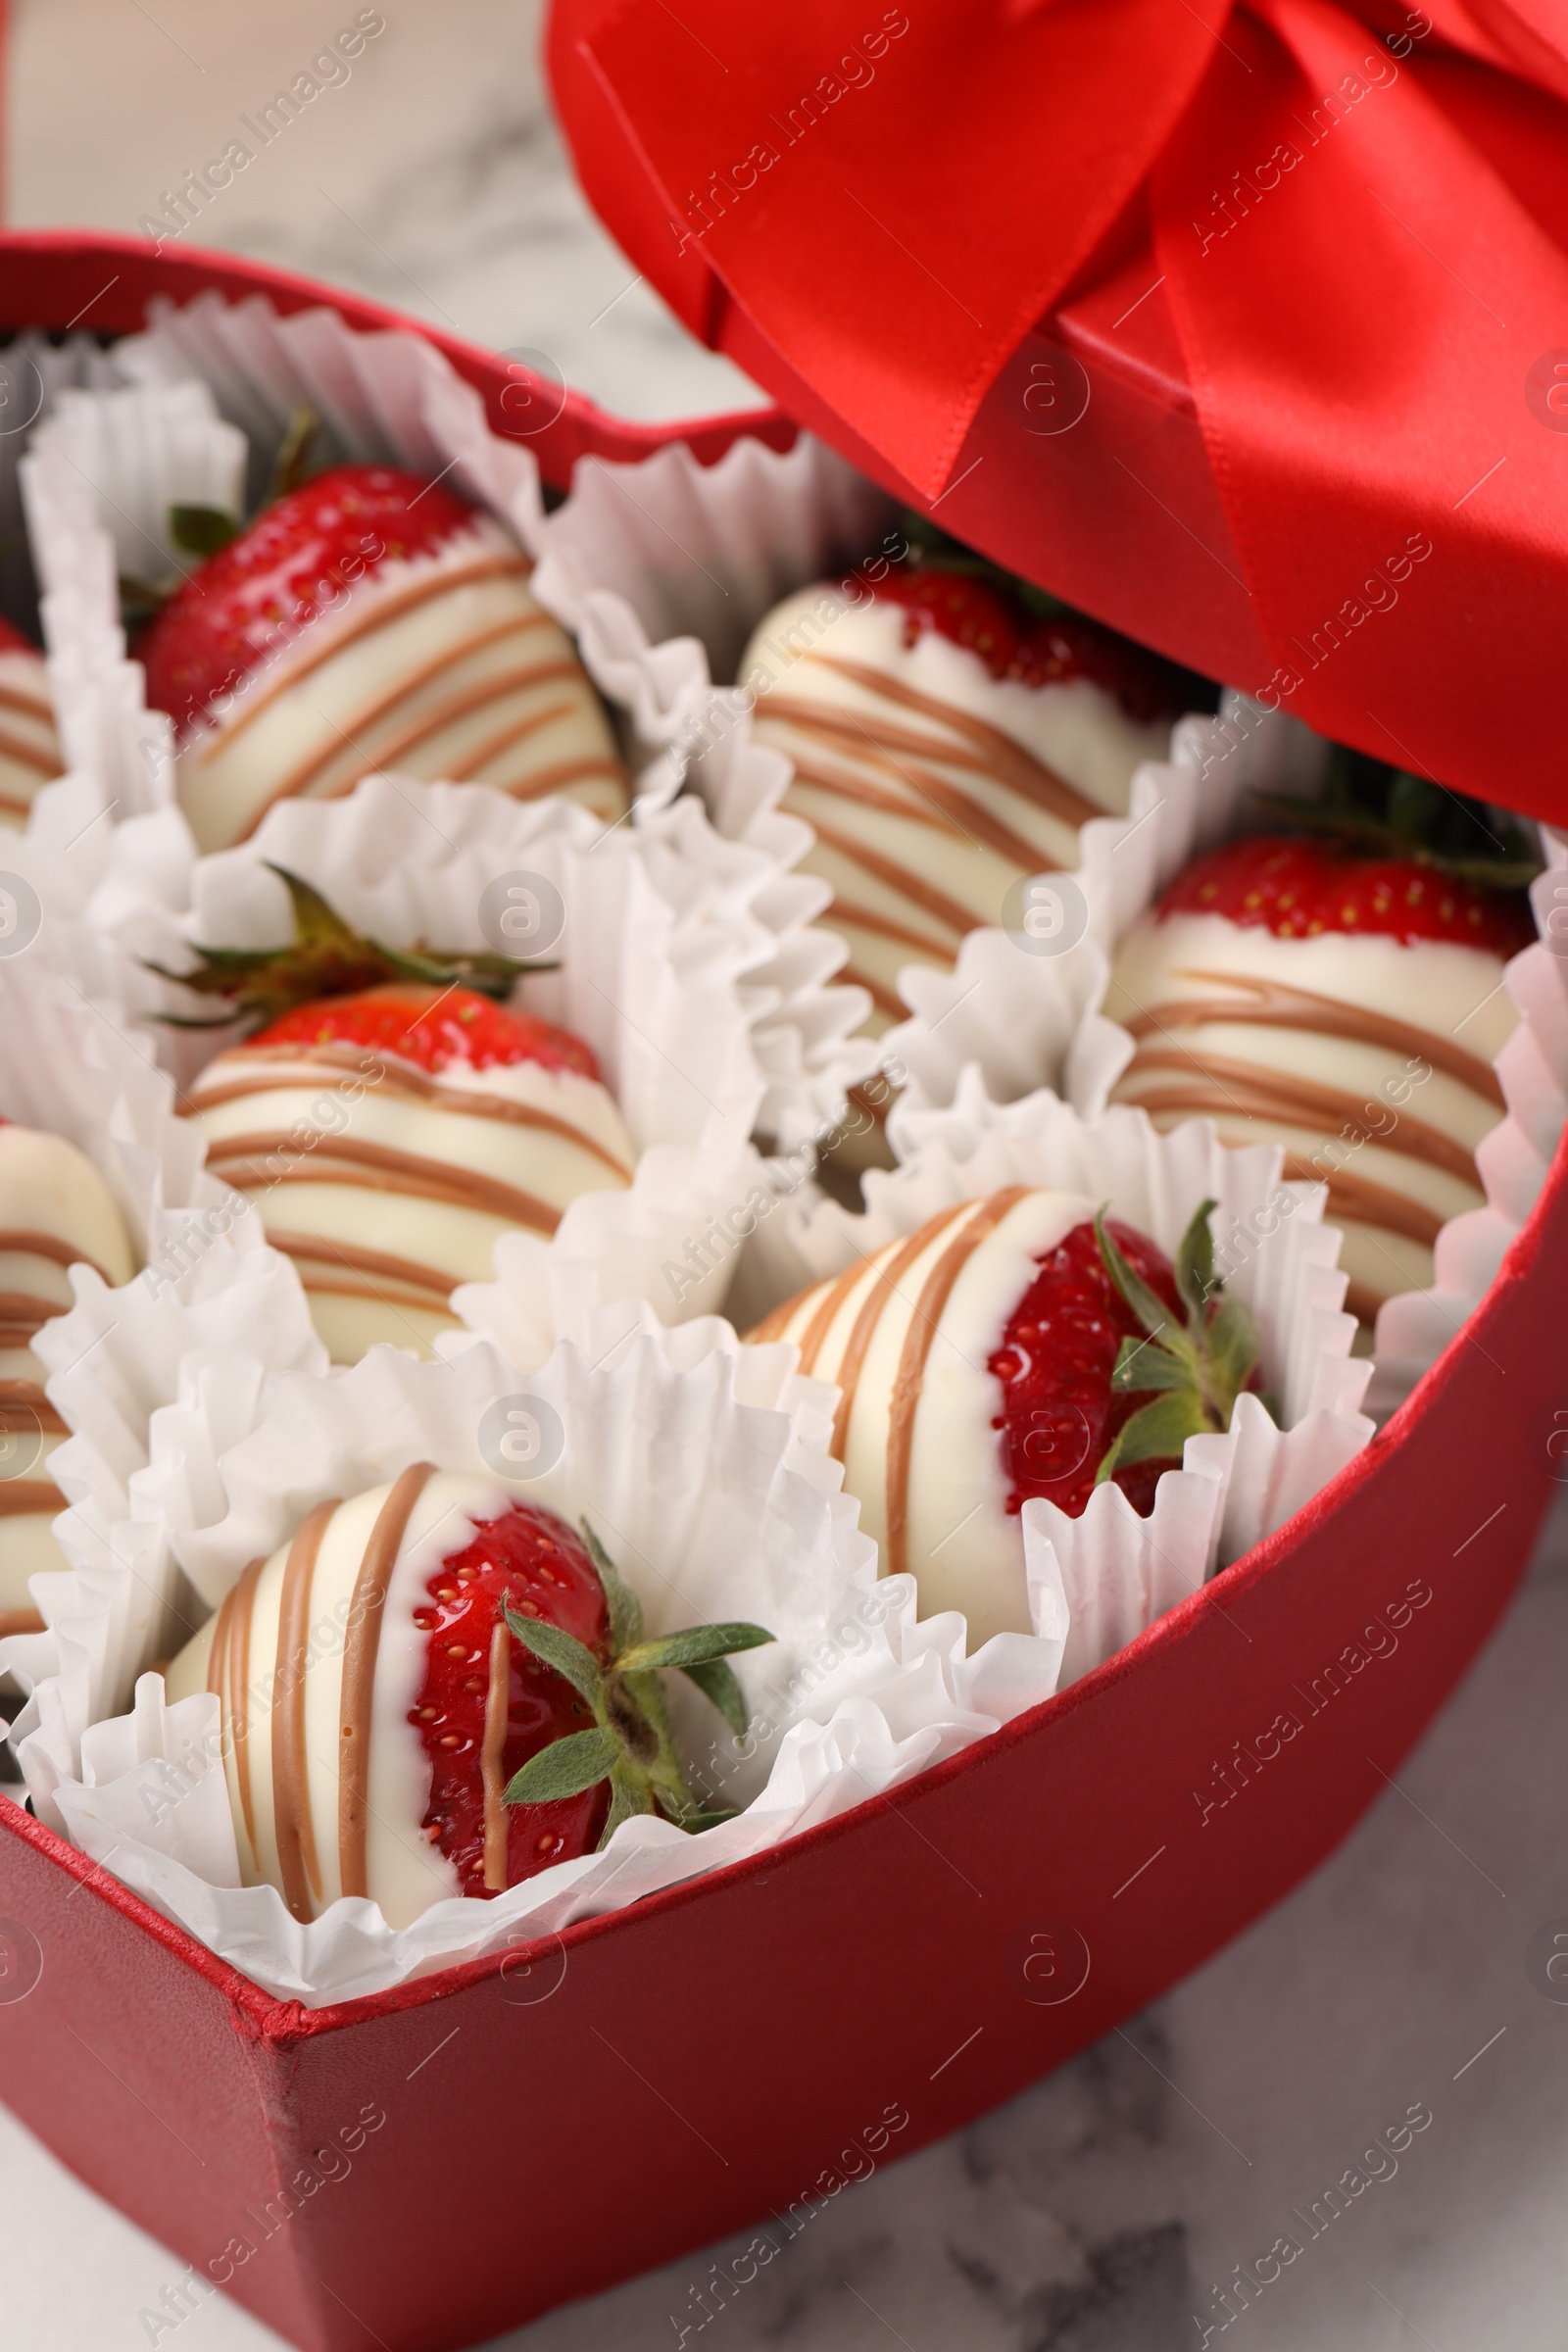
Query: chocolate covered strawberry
{"x": 492, "y": 1707}
{"x": 367, "y": 620}
{"x": 951, "y": 730}
{"x": 1340, "y": 995}
{"x": 29, "y": 746}
{"x": 391, "y": 1120}
{"x": 56, "y": 1213}
{"x": 1014, "y": 1347}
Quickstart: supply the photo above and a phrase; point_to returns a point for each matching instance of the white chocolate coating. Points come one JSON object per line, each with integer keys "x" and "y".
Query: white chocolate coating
{"x": 389, "y": 1187}
{"x": 55, "y": 1211}
{"x": 446, "y": 668}
{"x": 932, "y": 785}
{"x": 915, "y": 1436}
{"x": 1395, "y": 1147}
{"x": 272, "y": 1746}
{"x": 29, "y": 748}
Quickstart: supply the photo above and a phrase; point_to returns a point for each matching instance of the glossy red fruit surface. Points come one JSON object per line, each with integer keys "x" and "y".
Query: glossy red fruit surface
{"x": 1303, "y": 889}
{"x": 1017, "y": 643}
{"x": 535, "y": 1560}
{"x": 437, "y": 1029}
{"x": 1059, "y": 1415}
{"x": 301, "y": 556}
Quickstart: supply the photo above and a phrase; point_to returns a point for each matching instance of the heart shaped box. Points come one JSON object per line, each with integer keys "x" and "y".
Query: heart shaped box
{"x": 595, "y": 2103}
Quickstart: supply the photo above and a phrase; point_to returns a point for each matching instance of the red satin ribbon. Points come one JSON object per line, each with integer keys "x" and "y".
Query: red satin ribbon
{"x": 1360, "y": 217}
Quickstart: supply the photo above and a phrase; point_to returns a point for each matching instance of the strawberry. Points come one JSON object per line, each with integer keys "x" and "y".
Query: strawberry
{"x": 332, "y": 985}
{"x": 1303, "y": 889}
{"x": 12, "y": 641}
{"x": 275, "y": 577}
{"x": 1106, "y": 1321}
{"x": 587, "y": 1741}
{"x": 435, "y": 1028}
{"x": 1021, "y": 631}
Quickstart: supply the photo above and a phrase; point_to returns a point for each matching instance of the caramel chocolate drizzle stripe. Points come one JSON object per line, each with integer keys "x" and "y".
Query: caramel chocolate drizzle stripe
{"x": 1246, "y": 1091}
{"x": 504, "y": 738}
{"x": 904, "y": 1398}
{"x": 1276, "y": 1007}
{"x": 14, "y": 807}
{"x": 23, "y": 1317}
{"x": 497, "y": 1708}
{"x": 27, "y": 754}
{"x": 21, "y": 1242}
{"x": 420, "y": 725}
{"x": 851, "y": 1363}
{"x": 955, "y": 813}
{"x": 28, "y": 705}
{"x": 1363, "y": 1303}
{"x": 26, "y": 1396}
{"x": 28, "y": 1497}
{"x": 882, "y": 997}
{"x": 776, "y": 1322}
{"x": 591, "y": 767}
{"x": 866, "y": 918}
{"x": 409, "y": 1084}
{"x": 427, "y": 1289}
{"x": 378, "y": 1167}
{"x": 492, "y": 567}
{"x": 1001, "y": 756}
{"x": 1357, "y": 1201}
{"x": 899, "y": 879}
{"x": 19, "y": 1621}
{"x": 229, "y": 1668}
{"x": 292, "y": 1824}
{"x": 389, "y": 752}
{"x": 414, "y": 682}
{"x": 361, "y": 1640}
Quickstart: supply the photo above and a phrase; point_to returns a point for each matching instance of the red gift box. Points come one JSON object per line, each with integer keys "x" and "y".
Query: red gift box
{"x": 1195, "y": 311}
{"x": 425, "y": 2167}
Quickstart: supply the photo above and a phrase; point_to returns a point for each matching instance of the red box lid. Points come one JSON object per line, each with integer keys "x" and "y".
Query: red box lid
{"x": 1238, "y": 325}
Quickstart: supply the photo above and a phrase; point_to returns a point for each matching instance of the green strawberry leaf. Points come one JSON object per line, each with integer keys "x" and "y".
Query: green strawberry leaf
{"x": 559, "y": 1650}
{"x": 716, "y": 1682}
{"x": 565, "y": 1768}
{"x": 1151, "y": 1311}
{"x": 1156, "y": 1434}
{"x": 1144, "y": 1364}
{"x": 1232, "y": 1351}
{"x": 201, "y": 530}
{"x": 694, "y": 1646}
{"x": 624, "y": 1608}
{"x": 629, "y": 1795}
{"x": 1195, "y": 1267}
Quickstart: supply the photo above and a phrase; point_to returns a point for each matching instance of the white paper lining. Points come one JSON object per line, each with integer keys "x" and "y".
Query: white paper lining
{"x": 706, "y": 1476}
{"x": 107, "y": 466}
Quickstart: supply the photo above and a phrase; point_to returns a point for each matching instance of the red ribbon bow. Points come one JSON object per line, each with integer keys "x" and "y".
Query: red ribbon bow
{"x": 1352, "y": 226}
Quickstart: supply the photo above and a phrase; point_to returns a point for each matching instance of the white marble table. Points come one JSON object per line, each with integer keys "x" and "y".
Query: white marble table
{"x": 1098, "y": 2212}
{"x": 431, "y": 178}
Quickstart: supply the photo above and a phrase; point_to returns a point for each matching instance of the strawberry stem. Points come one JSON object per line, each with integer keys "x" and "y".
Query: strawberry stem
{"x": 1195, "y": 1371}
{"x": 631, "y": 1744}
{"x": 1374, "y": 809}
{"x": 327, "y": 957}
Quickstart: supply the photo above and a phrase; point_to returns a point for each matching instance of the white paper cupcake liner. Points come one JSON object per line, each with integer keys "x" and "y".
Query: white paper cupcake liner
{"x": 106, "y": 468}
{"x": 1121, "y": 1572}
{"x": 654, "y": 958}
{"x": 78, "y": 1068}
{"x": 708, "y": 1479}
{"x": 82, "y": 1067}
